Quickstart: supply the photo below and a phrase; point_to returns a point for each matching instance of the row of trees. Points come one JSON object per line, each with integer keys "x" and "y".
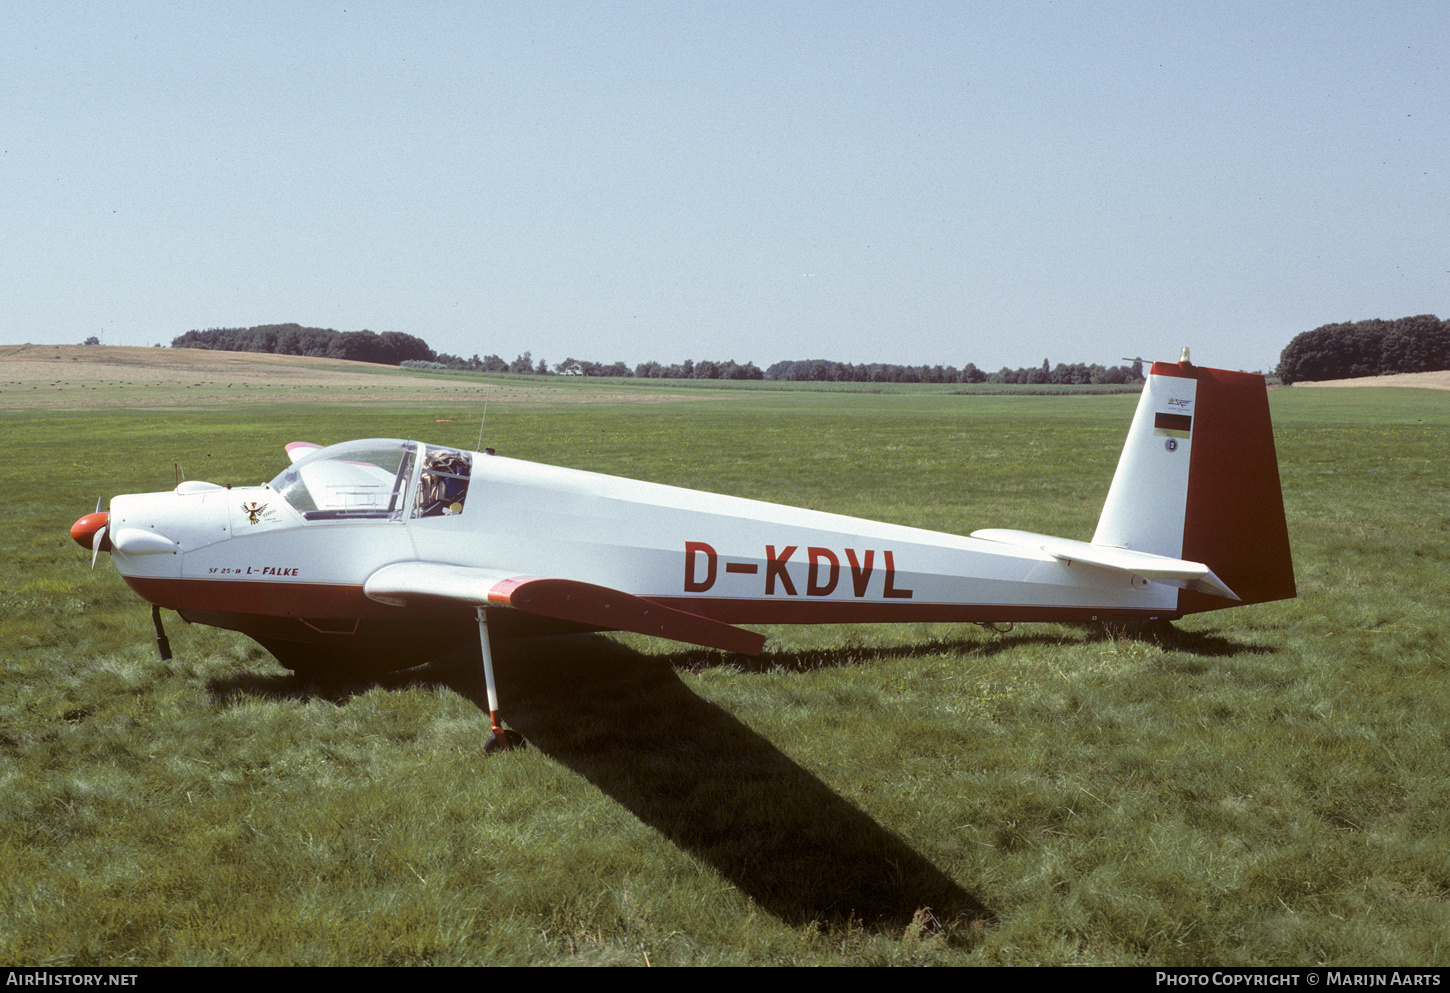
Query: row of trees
{"x": 396, "y": 348}
{"x": 1350, "y": 350}
{"x": 812, "y": 370}
{"x": 388, "y": 348}
{"x": 689, "y": 369}
{"x": 1076, "y": 374}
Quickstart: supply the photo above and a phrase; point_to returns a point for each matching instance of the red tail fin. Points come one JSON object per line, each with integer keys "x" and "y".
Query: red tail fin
{"x": 1234, "y": 519}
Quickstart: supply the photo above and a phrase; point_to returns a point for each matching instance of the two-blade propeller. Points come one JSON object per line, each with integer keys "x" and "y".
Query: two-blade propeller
{"x": 90, "y": 532}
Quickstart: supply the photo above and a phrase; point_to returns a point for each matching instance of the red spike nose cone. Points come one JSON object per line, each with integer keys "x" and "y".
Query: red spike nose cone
{"x": 84, "y": 530}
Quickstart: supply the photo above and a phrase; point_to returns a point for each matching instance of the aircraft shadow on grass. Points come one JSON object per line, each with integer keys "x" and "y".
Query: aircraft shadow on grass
{"x": 1203, "y": 644}
{"x": 713, "y": 787}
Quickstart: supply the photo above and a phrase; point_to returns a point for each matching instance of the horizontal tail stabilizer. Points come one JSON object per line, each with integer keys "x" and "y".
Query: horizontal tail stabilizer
{"x": 1159, "y": 568}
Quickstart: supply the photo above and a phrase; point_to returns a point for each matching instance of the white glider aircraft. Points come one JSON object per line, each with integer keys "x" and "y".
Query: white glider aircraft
{"x": 379, "y": 554}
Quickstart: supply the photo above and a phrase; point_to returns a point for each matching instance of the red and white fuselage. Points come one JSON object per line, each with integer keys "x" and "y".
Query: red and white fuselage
{"x": 381, "y": 550}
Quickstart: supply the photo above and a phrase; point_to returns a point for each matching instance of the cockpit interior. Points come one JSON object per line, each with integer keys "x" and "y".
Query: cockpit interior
{"x": 377, "y": 479}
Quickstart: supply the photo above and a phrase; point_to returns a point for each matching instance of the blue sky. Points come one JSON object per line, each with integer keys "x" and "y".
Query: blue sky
{"x": 938, "y": 183}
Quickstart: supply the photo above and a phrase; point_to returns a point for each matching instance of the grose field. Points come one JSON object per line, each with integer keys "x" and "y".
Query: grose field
{"x": 1268, "y": 787}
